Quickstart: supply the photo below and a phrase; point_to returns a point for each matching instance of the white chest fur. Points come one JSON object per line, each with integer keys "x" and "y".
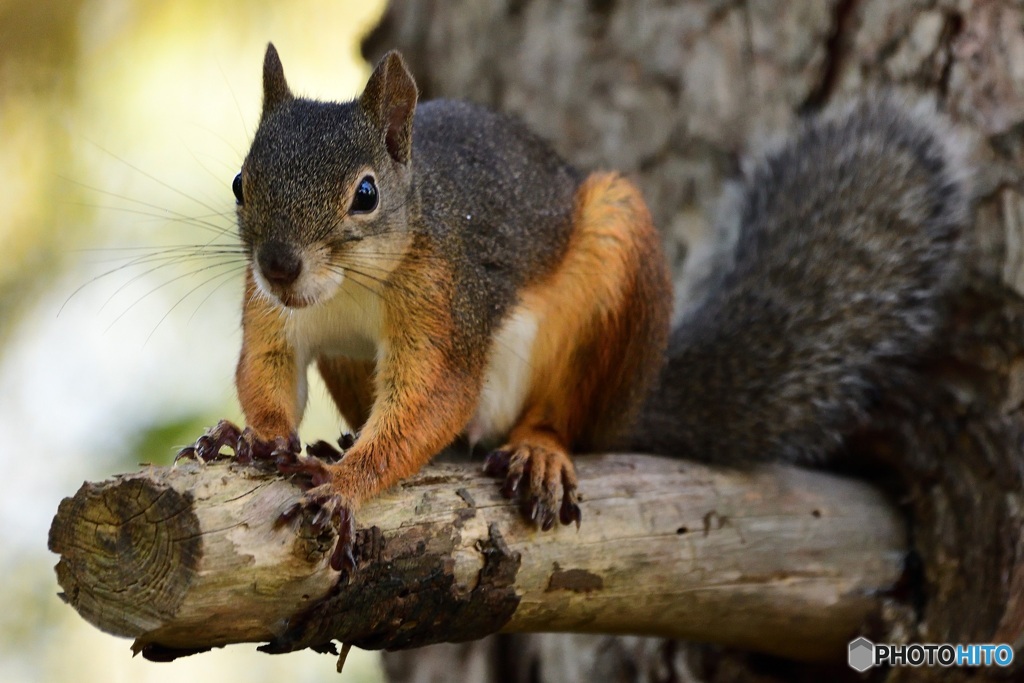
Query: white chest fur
{"x": 507, "y": 382}
{"x": 349, "y": 324}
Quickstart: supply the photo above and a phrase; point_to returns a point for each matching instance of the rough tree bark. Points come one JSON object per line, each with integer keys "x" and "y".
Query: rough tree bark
{"x": 671, "y": 92}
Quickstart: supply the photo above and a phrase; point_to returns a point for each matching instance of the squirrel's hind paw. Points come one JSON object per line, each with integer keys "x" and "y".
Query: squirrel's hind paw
{"x": 535, "y": 473}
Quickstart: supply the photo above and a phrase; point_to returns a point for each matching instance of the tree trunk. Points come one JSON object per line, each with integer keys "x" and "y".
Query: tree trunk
{"x": 671, "y": 93}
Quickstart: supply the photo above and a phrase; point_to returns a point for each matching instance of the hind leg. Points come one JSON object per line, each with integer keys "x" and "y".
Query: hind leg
{"x": 602, "y": 317}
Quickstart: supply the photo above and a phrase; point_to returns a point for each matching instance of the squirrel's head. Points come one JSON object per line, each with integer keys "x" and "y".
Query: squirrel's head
{"x": 325, "y": 191}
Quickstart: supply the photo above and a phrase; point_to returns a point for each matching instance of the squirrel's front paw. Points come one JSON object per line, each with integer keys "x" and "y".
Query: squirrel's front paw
{"x": 535, "y": 474}
{"x": 324, "y": 505}
{"x": 280, "y": 449}
{"x": 208, "y": 446}
{"x": 247, "y": 446}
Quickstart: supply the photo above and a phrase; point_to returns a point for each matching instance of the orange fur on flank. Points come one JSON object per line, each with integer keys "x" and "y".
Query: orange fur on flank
{"x": 603, "y": 327}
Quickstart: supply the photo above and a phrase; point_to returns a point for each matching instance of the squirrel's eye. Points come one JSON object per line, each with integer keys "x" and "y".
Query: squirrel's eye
{"x": 365, "y": 198}
{"x": 236, "y": 187}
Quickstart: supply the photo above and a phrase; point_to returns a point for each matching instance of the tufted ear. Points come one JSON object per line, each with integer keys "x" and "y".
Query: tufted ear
{"x": 275, "y": 87}
{"x": 390, "y": 101}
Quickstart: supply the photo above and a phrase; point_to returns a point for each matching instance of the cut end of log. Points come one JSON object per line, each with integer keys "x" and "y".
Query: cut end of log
{"x": 136, "y": 544}
{"x": 167, "y": 553}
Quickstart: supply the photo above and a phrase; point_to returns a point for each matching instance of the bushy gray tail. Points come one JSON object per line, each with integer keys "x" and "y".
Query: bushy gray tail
{"x": 848, "y": 243}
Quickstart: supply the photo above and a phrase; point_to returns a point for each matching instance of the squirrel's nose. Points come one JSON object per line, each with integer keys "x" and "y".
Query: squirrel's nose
{"x": 279, "y": 263}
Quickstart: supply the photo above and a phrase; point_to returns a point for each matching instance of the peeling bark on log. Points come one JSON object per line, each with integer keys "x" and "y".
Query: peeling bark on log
{"x": 189, "y": 558}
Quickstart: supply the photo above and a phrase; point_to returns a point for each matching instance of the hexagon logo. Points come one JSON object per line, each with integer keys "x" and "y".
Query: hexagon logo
{"x": 862, "y": 654}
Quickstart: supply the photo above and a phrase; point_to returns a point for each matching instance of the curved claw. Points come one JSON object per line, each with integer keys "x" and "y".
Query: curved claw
{"x": 207, "y": 447}
{"x": 187, "y": 453}
{"x": 290, "y": 513}
{"x": 570, "y": 511}
{"x": 496, "y": 463}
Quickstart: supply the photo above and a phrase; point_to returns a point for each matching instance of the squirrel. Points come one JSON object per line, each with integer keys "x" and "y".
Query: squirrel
{"x": 450, "y": 274}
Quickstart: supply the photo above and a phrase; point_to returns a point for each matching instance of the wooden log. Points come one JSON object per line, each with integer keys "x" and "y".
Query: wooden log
{"x": 779, "y": 560}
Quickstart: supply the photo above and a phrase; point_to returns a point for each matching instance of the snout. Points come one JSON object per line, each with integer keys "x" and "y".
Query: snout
{"x": 280, "y": 264}
{"x": 295, "y": 276}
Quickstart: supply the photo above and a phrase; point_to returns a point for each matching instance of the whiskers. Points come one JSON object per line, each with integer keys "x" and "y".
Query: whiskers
{"x": 205, "y": 268}
{"x": 371, "y": 285}
{"x": 192, "y": 271}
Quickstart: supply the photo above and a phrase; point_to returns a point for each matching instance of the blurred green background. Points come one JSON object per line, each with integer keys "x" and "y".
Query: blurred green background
{"x": 121, "y": 126}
